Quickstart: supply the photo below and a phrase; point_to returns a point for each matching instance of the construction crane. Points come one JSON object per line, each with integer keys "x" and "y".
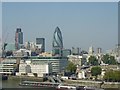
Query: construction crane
{"x": 4, "y": 47}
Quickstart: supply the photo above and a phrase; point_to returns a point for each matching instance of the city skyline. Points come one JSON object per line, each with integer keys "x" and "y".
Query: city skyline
{"x": 74, "y": 19}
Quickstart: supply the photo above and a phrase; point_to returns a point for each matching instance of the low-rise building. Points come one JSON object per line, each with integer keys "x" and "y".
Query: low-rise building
{"x": 8, "y": 66}
{"x": 76, "y": 59}
{"x": 58, "y": 63}
{"x": 22, "y": 52}
{"x": 34, "y": 69}
{"x": 82, "y": 74}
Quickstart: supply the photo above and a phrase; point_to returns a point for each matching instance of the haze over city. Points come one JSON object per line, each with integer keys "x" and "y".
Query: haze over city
{"x": 81, "y": 24}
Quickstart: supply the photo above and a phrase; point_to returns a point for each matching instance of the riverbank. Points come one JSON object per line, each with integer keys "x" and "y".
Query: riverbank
{"x": 25, "y": 78}
{"x": 111, "y": 85}
{"x": 98, "y": 84}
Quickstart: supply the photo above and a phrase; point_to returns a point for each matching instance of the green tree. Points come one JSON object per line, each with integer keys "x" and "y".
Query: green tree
{"x": 95, "y": 71}
{"x": 112, "y": 76}
{"x": 107, "y": 59}
{"x": 93, "y": 60}
{"x": 112, "y": 60}
{"x": 71, "y": 67}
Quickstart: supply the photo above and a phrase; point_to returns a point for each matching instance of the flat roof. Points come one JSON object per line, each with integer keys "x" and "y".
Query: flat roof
{"x": 36, "y": 57}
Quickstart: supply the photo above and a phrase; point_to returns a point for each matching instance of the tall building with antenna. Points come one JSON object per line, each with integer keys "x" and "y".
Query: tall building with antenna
{"x": 18, "y": 38}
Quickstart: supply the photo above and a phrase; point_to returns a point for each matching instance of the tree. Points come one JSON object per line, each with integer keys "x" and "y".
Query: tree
{"x": 93, "y": 60}
{"x": 112, "y": 60}
{"x": 95, "y": 71}
{"x": 112, "y": 76}
{"x": 71, "y": 67}
{"x": 107, "y": 59}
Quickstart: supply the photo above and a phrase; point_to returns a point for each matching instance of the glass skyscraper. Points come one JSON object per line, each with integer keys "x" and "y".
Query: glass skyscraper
{"x": 57, "y": 43}
{"x": 18, "y": 38}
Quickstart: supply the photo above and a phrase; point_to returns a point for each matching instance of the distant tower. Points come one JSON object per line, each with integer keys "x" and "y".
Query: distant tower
{"x": 18, "y": 38}
{"x": 117, "y": 50}
{"x": 57, "y": 43}
{"x": 91, "y": 50}
{"x": 27, "y": 45}
{"x": 40, "y": 43}
{"x": 99, "y": 50}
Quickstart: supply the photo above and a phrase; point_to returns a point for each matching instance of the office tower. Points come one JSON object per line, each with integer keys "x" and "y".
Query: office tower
{"x": 99, "y": 50}
{"x": 57, "y": 44}
{"x": 91, "y": 50}
{"x": 18, "y": 38}
{"x": 40, "y": 43}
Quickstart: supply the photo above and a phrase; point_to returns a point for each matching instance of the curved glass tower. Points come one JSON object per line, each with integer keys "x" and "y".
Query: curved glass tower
{"x": 57, "y": 43}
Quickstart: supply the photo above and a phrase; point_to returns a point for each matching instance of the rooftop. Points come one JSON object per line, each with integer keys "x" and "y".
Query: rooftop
{"x": 35, "y": 57}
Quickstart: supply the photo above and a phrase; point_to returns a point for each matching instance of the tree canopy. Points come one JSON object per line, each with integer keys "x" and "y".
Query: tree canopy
{"x": 107, "y": 59}
{"x": 112, "y": 76}
{"x": 71, "y": 67}
{"x": 93, "y": 60}
{"x": 96, "y": 71}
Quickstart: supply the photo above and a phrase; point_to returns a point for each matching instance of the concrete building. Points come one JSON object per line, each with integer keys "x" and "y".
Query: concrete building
{"x": 66, "y": 52}
{"x": 41, "y": 69}
{"x": 42, "y": 65}
{"x": 29, "y": 68}
{"x": 8, "y": 66}
{"x": 22, "y": 52}
{"x": 58, "y": 63}
{"x": 24, "y": 68}
{"x": 82, "y": 74}
{"x": 77, "y": 59}
{"x": 40, "y": 43}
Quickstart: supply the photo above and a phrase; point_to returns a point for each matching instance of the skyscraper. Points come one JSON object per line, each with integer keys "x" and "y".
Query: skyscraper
{"x": 40, "y": 43}
{"x": 99, "y": 50}
{"x": 18, "y": 38}
{"x": 91, "y": 50}
{"x": 57, "y": 43}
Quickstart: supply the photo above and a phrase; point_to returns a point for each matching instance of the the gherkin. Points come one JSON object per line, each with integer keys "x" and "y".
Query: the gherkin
{"x": 57, "y": 43}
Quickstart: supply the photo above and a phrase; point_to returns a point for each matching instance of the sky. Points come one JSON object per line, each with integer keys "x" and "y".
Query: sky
{"x": 82, "y": 23}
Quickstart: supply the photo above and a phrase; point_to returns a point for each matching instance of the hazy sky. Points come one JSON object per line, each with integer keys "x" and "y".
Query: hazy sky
{"x": 81, "y": 24}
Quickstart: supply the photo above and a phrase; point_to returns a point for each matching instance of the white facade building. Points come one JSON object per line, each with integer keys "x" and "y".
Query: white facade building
{"x": 76, "y": 59}
{"x": 91, "y": 50}
{"x": 40, "y": 69}
{"x": 58, "y": 63}
{"x": 7, "y": 66}
{"x": 31, "y": 68}
{"x": 81, "y": 74}
{"x": 24, "y": 68}
{"x": 22, "y": 52}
